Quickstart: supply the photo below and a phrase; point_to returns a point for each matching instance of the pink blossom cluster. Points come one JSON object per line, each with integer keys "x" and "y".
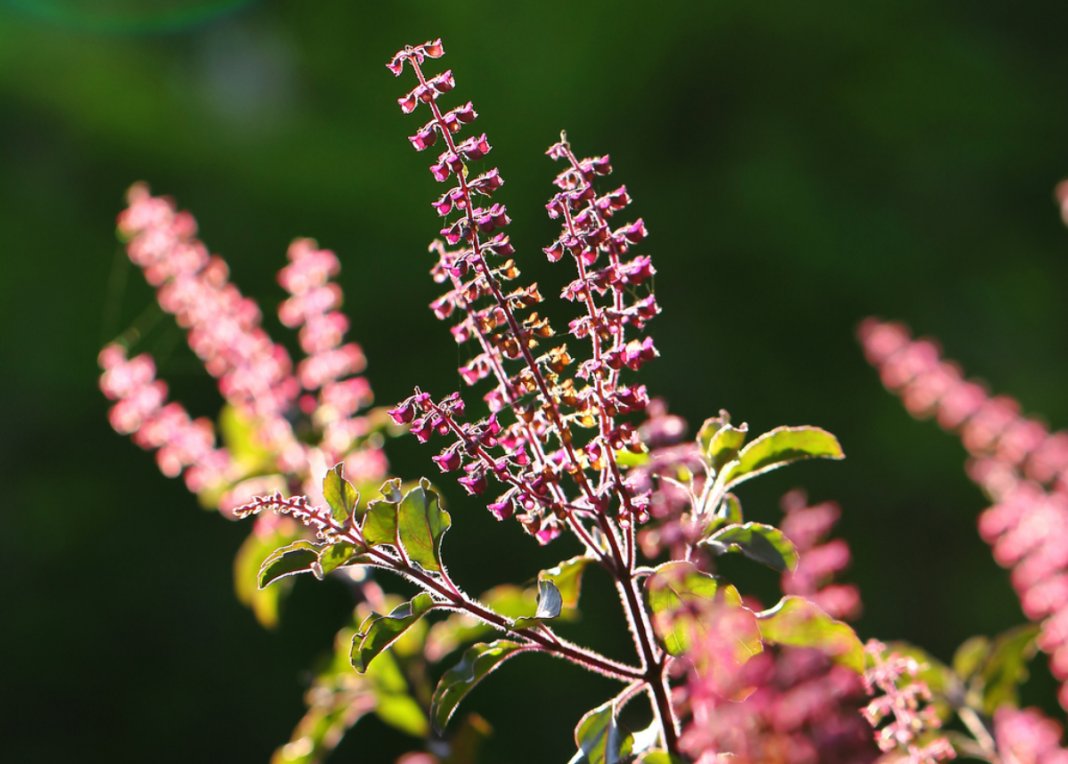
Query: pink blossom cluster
{"x": 1027, "y": 736}
{"x": 788, "y": 705}
{"x": 330, "y": 364}
{"x": 255, "y": 375}
{"x": 988, "y": 426}
{"x": 541, "y": 397}
{"x": 820, "y": 560}
{"x": 222, "y": 326}
{"x": 1015, "y": 459}
{"x": 182, "y": 444}
{"x": 901, "y": 700}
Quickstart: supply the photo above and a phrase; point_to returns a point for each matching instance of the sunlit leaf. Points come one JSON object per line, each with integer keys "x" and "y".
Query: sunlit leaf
{"x": 300, "y": 556}
{"x": 380, "y": 522}
{"x": 764, "y": 543}
{"x": 422, "y": 522}
{"x": 671, "y": 590}
{"x": 394, "y": 703}
{"x": 780, "y": 447}
{"x": 379, "y": 631}
{"x": 598, "y": 737}
{"x": 239, "y": 432}
{"x": 334, "y": 556}
{"x": 797, "y": 622}
{"x": 340, "y": 494}
{"x": 402, "y": 712}
{"x": 627, "y": 459}
{"x": 723, "y": 447}
{"x": 477, "y": 662}
{"x": 263, "y": 602}
{"x": 567, "y": 577}
{"x": 549, "y": 603}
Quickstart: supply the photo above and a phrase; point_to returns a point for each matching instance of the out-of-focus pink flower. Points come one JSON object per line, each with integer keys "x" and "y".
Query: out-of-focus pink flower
{"x": 182, "y": 444}
{"x": 1015, "y": 460}
{"x": 820, "y": 560}
{"x": 1027, "y": 736}
{"x": 784, "y": 705}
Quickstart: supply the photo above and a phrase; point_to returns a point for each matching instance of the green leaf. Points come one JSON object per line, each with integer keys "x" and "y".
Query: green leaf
{"x": 796, "y": 622}
{"x": 239, "y": 433}
{"x": 567, "y": 578}
{"x": 394, "y": 703}
{"x": 719, "y": 441}
{"x": 334, "y": 556}
{"x": 379, "y": 631}
{"x": 478, "y": 661}
{"x": 598, "y": 737}
{"x": 402, "y": 712}
{"x": 549, "y": 603}
{"x": 764, "y": 543}
{"x": 670, "y": 589}
{"x": 264, "y": 603}
{"x": 298, "y": 557}
{"x": 971, "y": 656}
{"x": 641, "y": 741}
{"x": 1006, "y": 668}
{"x": 380, "y": 522}
{"x": 780, "y": 447}
{"x": 340, "y": 494}
{"x": 422, "y": 522}
{"x": 627, "y": 459}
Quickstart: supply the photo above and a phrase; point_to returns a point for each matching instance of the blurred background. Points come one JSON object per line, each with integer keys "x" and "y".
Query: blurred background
{"x": 799, "y": 165}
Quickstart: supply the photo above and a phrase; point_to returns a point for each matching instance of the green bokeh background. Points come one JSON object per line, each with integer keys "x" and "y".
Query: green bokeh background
{"x": 799, "y": 165}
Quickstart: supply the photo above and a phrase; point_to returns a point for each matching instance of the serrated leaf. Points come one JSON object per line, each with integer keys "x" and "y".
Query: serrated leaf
{"x": 797, "y": 622}
{"x": 671, "y": 589}
{"x": 379, "y": 631}
{"x": 300, "y": 556}
{"x": 334, "y": 556}
{"x": 598, "y": 737}
{"x": 567, "y": 577}
{"x": 764, "y": 543}
{"x": 421, "y": 524}
{"x": 478, "y": 661}
{"x": 380, "y": 523}
{"x": 780, "y": 447}
{"x": 723, "y": 447}
{"x": 340, "y": 494}
{"x": 549, "y": 603}
{"x": 708, "y": 431}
